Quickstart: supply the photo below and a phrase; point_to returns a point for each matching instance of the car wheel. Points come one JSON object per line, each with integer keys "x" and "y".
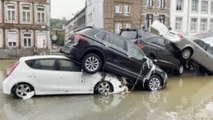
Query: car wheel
{"x": 23, "y": 90}
{"x": 180, "y": 70}
{"x": 91, "y": 63}
{"x": 186, "y": 53}
{"x": 103, "y": 88}
{"x": 154, "y": 83}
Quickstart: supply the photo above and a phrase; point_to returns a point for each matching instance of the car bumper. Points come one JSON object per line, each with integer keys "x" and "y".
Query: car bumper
{"x": 7, "y": 86}
{"x": 73, "y": 53}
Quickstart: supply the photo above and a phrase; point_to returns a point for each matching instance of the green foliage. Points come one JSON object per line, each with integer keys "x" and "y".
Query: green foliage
{"x": 56, "y": 23}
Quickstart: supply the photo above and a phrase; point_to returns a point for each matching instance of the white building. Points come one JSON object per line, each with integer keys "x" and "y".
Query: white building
{"x": 191, "y": 16}
{"x": 95, "y": 13}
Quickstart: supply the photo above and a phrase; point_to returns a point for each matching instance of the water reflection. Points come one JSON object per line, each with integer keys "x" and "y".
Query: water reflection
{"x": 185, "y": 98}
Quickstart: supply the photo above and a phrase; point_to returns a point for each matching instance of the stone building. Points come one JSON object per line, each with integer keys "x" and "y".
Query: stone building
{"x": 24, "y": 26}
{"x": 113, "y": 15}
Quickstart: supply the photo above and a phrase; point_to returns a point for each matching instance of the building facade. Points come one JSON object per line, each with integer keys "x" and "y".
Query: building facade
{"x": 155, "y": 10}
{"x": 24, "y": 26}
{"x": 113, "y": 15}
{"x": 192, "y": 16}
{"x": 77, "y": 22}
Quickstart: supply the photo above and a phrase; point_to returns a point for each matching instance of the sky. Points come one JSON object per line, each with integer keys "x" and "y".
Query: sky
{"x": 66, "y": 8}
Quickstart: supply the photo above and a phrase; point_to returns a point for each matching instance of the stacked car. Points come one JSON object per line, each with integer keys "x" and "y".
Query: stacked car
{"x": 100, "y": 50}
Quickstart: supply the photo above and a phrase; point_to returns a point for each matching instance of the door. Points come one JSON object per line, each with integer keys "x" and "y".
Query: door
{"x": 115, "y": 53}
{"x": 44, "y": 75}
{"x": 72, "y": 79}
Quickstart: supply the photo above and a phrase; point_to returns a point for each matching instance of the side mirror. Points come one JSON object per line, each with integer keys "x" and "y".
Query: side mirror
{"x": 60, "y": 50}
{"x": 144, "y": 59}
{"x": 155, "y": 60}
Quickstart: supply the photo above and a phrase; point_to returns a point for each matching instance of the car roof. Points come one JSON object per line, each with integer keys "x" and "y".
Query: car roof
{"x": 43, "y": 57}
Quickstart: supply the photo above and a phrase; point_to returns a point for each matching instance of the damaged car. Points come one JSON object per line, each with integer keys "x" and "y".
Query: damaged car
{"x": 190, "y": 47}
{"x": 100, "y": 50}
{"x": 50, "y": 75}
{"x": 162, "y": 52}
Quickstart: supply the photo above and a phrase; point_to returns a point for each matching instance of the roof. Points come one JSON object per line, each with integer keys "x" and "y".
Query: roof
{"x": 42, "y": 57}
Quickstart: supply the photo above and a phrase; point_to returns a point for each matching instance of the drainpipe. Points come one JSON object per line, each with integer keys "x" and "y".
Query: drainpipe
{"x": 188, "y": 10}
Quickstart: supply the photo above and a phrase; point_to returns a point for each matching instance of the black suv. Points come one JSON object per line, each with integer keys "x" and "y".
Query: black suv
{"x": 98, "y": 49}
{"x": 133, "y": 33}
{"x": 163, "y": 52}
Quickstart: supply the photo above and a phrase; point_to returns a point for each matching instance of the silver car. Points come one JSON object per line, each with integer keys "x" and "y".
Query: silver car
{"x": 190, "y": 47}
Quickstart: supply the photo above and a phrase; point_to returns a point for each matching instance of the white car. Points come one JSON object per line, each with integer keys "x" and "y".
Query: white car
{"x": 41, "y": 75}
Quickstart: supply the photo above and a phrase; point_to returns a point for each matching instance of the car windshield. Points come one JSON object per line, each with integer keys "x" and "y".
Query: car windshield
{"x": 135, "y": 52}
{"x": 205, "y": 46}
{"x": 129, "y": 34}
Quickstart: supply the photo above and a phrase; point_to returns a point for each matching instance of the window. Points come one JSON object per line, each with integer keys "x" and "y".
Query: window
{"x": 67, "y": 65}
{"x": 203, "y": 25}
{"x": 40, "y": 14}
{"x": 194, "y": 5}
{"x": 117, "y": 41}
{"x": 162, "y": 19}
{"x": 211, "y": 24}
{"x": 149, "y": 3}
{"x": 149, "y": 18}
{"x": 44, "y": 64}
{"x": 194, "y": 24}
{"x": 11, "y": 13}
{"x": 26, "y": 14}
{"x": 134, "y": 52}
{"x": 127, "y": 10}
{"x": 118, "y": 27}
{"x": 12, "y": 39}
{"x": 162, "y": 3}
{"x": 179, "y": 5}
{"x": 27, "y": 38}
{"x": 100, "y": 35}
{"x": 127, "y": 25}
{"x": 212, "y": 7}
{"x": 178, "y": 23}
{"x": 118, "y": 9}
{"x": 204, "y": 6}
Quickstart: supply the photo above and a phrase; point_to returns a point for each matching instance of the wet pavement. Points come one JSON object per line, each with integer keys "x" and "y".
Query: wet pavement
{"x": 188, "y": 97}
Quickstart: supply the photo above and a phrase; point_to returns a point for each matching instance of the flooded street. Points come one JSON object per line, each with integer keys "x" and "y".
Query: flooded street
{"x": 188, "y": 97}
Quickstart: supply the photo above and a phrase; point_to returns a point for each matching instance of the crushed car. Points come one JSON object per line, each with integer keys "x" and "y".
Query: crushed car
{"x": 51, "y": 75}
{"x": 190, "y": 47}
{"x": 100, "y": 50}
{"x": 162, "y": 52}
{"x": 157, "y": 48}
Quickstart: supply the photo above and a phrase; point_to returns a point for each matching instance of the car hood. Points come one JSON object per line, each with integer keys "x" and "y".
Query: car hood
{"x": 159, "y": 28}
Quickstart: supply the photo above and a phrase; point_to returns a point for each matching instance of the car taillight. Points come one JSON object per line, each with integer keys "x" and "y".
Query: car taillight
{"x": 141, "y": 46}
{"x": 79, "y": 37}
{"x": 180, "y": 37}
{"x": 11, "y": 69}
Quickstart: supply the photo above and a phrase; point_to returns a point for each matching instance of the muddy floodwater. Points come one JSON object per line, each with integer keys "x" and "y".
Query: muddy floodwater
{"x": 188, "y": 97}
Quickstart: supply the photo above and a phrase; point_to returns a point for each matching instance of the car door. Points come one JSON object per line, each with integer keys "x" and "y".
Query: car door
{"x": 44, "y": 75}
{"x": 72, "y": 79}
{"x": 166, "y": 53}
{"x": 115, "y": 53}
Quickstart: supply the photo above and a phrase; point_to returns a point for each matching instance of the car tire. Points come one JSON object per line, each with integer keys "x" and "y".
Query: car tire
{"x": 186, "y": 53}
{"x": 179, "y": 71}
{"x": 22, "y": 90}
{"x": 154, "y": 83}
{"x": 103, "y": 88}
{"x": 91, "y": 63}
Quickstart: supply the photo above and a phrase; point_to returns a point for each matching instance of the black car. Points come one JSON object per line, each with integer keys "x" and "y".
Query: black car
{"x": 99, "y": 50}
{"x": 134, "y": 34}
{"x": 163, "y": 52}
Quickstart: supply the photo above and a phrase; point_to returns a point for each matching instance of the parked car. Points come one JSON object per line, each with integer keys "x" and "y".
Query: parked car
{"x": 134, "y": 34}
{"x": 190, "y": 47}
{"x": 41, "y": 75}
{"x": 98, "y": 49}
{"x": 163, "y": 52}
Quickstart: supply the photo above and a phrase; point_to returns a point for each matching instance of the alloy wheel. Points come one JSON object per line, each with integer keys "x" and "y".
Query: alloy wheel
{"x": 22, "y": 90}
{"x": 154, "y": 83}
{"x": 103, "y": 88}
